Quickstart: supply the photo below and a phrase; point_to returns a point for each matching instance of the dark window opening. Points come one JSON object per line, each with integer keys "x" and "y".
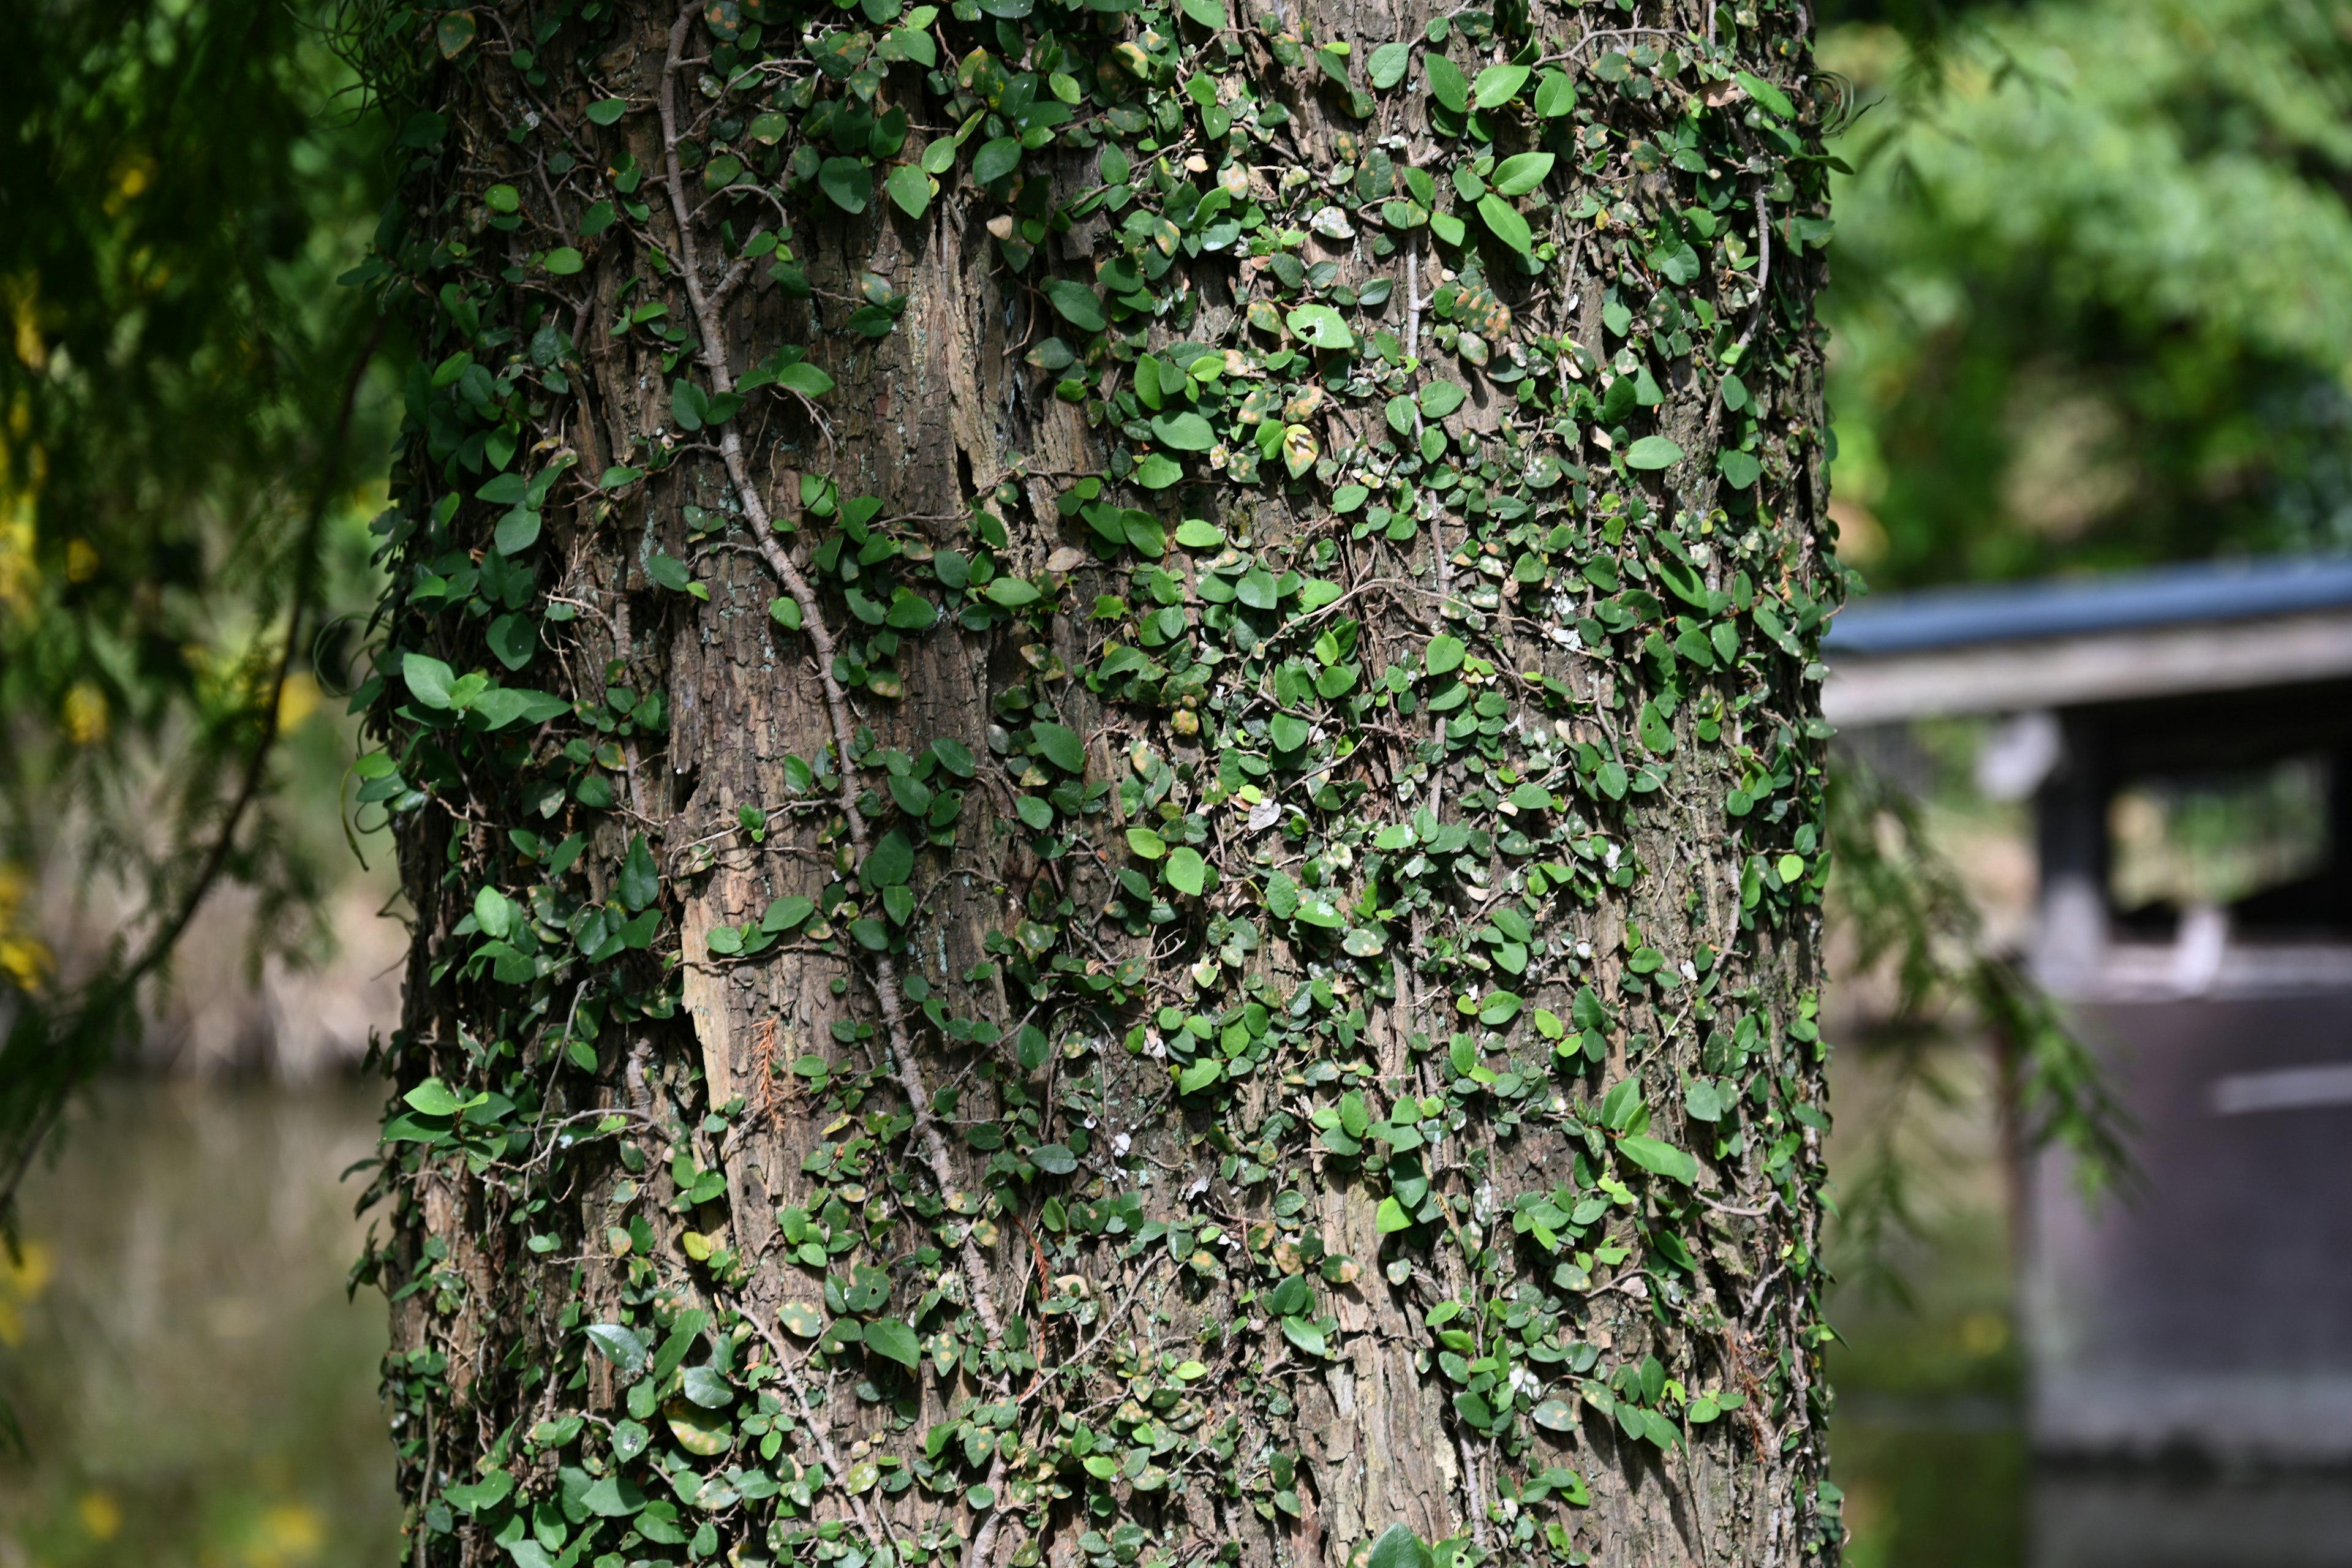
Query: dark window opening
{"x": 2261, "y": 844}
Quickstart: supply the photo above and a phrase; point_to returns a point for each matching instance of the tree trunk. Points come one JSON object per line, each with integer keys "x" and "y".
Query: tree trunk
{"x": 1101, "y": 728}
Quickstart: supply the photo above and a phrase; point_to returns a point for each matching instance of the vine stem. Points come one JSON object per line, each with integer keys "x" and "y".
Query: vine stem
{"x": 883, "y": 977}
{"x": 790, "y": 1374}
{"x": 1755, "y": 319}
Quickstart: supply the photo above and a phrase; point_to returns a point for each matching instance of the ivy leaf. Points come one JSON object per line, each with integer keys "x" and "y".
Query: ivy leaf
{"x": 621, "y": 1346}
{"x": 1321, "y": 326}
{"x": 1769, "y": 98}
{"x": 1012, "y": 593}
{"x": 1186, "y": 871}
{"x": 995, "y": 160}
{"x": 639, "y": 883}
{"x": 517, "y": 531}
{"x": 911, "y": 188}
{"x": 496, "y": 914}
{"x": 1306, "y": 1336}
{"x": 804, "y": 378}
{"x": 1739, "y": 469}
{"x": 1184, "y": 432}
{"x": 606, "y": 111}
{"x": 1498, "y": 85}
{"x": 1281, "y": 896}
{"x": 1440, "y": 398}
{"x": 433, "y": 1098}
{"x": 514, "y": 638}
{"x": 1443, "y": 656}
{"x": 1054, "y": 1159}
{"x": 1653, "y": 452}
{"x": 491, "y": 1490}
{"x": 847, "y": 181}
{"x": 1517, "y": 175}
{"x": 1210, "y": 13}
{"x": 1399, "y": 1547}
{"x": 786, "y": 914}
{"x": 1146, "y": 844}
{"x": 428, "y": 679}
{"x": 706, "y": 1388}
{"x": 501, "y": 706}
{"x": 1679, "y": 265}
{"x": 1504, "y": 222}
{"x": 1656, "y": 734}
{"x": 1446, "y": 82}
{"x": 889, "y": 864}
{"x": 1391, "y": 1218}
{"x": 1705, "y": 1099}
{"x": 890, "y": 1337}
{"x": 1388, "y": 65}
{"x": 1299, "y": 449}
{"x": 1059, "y": 744}
{"x": 911, "y": 612}
{"x": 1662, "y": 1158}
{"x": 1075, "y": 303}
{"x": 1157, "y": 471}
{"x": 612, "y": 1497}
{"x": 1200, "y": 1076}
{"x": 1499, "y": 1008}
{"x": 672, "y": 573}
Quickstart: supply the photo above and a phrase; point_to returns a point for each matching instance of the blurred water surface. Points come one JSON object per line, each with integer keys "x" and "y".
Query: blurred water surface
{"x": 193, "y": 1386}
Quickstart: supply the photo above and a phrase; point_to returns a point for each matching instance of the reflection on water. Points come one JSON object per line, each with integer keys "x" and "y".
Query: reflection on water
{"x": 192, "y": 1384}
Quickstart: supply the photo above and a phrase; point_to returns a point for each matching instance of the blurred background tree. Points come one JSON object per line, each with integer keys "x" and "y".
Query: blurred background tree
{"x": 187, "y": 435}
{"x": 2091, "y": 297}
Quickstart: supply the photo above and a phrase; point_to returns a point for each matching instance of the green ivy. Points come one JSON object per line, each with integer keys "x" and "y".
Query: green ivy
{"x": 1429, "y": 820}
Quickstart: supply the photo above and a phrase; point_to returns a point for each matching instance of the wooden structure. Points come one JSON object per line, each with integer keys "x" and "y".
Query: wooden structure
{"x": 2212, "y": 1315}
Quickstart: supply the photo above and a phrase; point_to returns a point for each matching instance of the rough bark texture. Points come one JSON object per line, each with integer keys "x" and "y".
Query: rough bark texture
{"x": 1301, "y": 1021}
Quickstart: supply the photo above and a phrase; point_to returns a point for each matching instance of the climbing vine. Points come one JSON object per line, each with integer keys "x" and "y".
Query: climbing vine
{"x": 1365, "y": 910}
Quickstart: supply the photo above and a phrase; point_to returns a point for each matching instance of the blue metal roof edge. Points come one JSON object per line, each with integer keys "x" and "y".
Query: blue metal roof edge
{"x": 2165, "y": 596}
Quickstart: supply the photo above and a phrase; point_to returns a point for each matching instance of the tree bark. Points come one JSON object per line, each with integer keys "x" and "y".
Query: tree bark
{"x": 1103, "y": 733}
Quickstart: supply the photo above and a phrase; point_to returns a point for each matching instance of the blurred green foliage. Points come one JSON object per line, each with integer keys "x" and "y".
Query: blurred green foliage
{"x": 2092, "y": 292}
{"x": 184, "y": 430}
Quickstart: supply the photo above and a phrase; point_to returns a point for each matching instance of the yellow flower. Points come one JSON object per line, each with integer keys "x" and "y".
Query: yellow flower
{"x": 23, "y": 1275}
{"x": 101, "y": 1516}
{"x": 84, "y": 714}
